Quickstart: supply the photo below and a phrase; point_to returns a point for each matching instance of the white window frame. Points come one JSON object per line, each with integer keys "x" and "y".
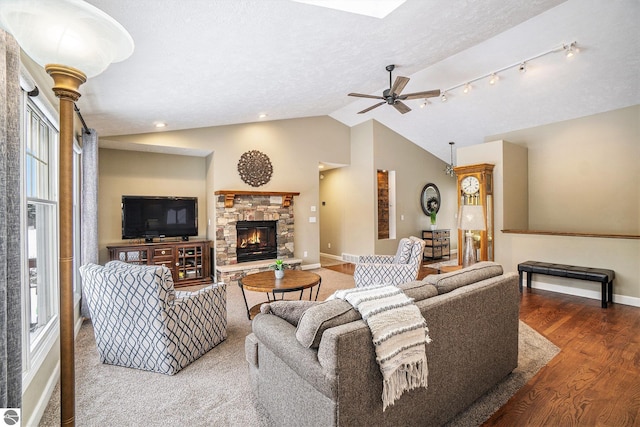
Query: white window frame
{"x": 34, "y": 353}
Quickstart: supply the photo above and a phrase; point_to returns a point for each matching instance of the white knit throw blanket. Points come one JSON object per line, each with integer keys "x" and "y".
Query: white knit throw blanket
{"x": 400, "y": 336}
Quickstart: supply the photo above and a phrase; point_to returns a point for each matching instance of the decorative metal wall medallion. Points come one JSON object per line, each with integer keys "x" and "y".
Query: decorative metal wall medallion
{"x": 255, "y": 168}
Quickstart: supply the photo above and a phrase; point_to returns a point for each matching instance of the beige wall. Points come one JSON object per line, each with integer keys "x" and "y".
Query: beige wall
{"x": 584, "y": 174}
{"x": 349, "y": 217}
{"x": 144, "y": 174}
{"x": 414, "y": 167}
{"x": 582, "y": 177}
{"x": 333, "y": 207}
{"x": 295, "y": 147}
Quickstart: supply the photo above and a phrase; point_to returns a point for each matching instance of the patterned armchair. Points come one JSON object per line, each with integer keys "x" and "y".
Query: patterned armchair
{"x": 389, "y": 269}
{"x": 141, "y": 322}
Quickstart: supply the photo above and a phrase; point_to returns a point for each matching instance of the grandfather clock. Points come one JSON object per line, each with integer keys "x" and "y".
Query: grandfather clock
{"x": 475, "y": 187}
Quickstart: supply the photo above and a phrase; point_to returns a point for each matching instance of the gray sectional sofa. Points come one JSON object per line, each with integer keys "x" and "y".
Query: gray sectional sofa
{"x": 323, "y": 371}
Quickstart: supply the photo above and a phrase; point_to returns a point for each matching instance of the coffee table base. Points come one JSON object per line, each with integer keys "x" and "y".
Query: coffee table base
{"x": 294, "y": 280}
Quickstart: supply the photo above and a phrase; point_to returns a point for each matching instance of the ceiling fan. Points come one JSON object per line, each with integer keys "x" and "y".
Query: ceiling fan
{"x": 392, "y": 96}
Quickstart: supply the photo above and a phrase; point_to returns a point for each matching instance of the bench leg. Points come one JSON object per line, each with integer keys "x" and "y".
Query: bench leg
{"x": 529, "y": 274}
{"x": 604, "y": 294}
{"x": 611, "y": 291}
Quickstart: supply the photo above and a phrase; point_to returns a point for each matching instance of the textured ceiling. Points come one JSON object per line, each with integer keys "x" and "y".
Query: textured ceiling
{"x": 201, "y": 63}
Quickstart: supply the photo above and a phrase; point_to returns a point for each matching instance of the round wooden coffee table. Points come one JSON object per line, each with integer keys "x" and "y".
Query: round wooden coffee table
{"x": 293, "y": 281}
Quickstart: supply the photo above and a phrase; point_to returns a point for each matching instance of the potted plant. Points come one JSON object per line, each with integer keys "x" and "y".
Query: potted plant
{"x": 278, "y": 268}
{"x": 433, "y": 219}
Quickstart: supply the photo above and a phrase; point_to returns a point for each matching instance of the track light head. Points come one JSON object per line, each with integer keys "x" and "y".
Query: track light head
{"x": 571, "y": 49}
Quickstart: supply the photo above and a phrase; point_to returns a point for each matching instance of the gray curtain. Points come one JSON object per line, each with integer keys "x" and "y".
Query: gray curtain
{"x": 10, "y": 263}
{"x": 89, "y": 206}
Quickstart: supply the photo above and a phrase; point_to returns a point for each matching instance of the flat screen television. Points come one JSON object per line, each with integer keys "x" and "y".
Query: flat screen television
{"x": 149, "y": 216}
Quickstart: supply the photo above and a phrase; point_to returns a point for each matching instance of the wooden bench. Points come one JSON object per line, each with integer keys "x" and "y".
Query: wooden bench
{"x": 602, "y": 275}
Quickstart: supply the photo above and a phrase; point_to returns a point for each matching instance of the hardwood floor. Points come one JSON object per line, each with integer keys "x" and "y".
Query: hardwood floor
{"x": 593, "y": 381}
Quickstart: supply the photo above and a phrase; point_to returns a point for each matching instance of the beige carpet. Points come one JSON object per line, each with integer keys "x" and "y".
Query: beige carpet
{"x": 215, "y": 391}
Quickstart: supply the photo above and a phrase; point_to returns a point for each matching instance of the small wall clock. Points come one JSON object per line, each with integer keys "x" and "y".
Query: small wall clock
{"x": 255, "y": 168}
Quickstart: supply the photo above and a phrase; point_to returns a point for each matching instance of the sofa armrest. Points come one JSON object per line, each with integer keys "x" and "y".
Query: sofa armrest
{"x": 279, "y": 337}
{"x": 207, "y": 307}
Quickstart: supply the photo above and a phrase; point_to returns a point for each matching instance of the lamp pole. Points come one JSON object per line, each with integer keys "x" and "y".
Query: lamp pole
{"x": 71, "y": 32}
{"x": 66, "y": 81}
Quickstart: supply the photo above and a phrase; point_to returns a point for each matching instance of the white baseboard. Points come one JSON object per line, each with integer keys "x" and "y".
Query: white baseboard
{"x": 45, "y": 397}
{"x": 310, "y": 266}
{"x": 336, "y": 257}
{"x": 585, "y": 293}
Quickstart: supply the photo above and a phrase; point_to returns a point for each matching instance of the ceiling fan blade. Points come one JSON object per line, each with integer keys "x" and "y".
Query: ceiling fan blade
{"x": 372, "y": 107}
{"x": 399, "y": 84}
{"x": 362, "y": 95}
{"x": 402, "y": 107}
{"x": 425, "y": 94}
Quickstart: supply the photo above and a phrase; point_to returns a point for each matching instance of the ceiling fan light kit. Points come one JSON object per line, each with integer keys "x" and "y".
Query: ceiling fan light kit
{"x": 393, "y": 95}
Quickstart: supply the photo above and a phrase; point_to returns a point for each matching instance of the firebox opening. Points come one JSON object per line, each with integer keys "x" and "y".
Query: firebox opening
{"x": 256, "y": 240}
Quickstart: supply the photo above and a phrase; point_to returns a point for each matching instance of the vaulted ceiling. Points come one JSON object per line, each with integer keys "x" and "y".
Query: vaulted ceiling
{"x": 200, "y": 63}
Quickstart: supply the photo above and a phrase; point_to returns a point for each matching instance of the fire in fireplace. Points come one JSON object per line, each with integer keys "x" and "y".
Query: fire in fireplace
{"x": 256, "y": 240}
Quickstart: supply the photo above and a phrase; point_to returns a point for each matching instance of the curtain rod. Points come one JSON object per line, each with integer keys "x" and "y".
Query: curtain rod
{"x": 84, "y": 124}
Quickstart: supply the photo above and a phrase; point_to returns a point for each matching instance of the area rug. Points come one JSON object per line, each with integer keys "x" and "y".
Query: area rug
{"x": 215, "y": 390}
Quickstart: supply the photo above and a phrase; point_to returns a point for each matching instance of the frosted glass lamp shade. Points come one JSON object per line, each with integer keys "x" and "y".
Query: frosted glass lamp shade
{"x": 471, "y": 218}
{"x": 66, "y": 32}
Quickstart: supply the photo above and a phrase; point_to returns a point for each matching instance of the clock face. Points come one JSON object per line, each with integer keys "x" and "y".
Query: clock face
{"x": 470, "y": 185}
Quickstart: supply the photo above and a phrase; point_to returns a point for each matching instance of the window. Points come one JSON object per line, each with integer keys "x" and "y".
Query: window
{"x": 40, "y": 280}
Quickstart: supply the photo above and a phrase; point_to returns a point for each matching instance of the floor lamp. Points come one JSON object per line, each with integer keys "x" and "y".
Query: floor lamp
{"x": 71, "y": 39}
{"x": 471, "y": 217}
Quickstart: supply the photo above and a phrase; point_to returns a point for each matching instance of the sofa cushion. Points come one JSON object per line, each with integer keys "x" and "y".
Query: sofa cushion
{"x": 289, "y": 310}
{"x": 449, "y": 281}
{"x": 404, "y": 251}
{"x": 318, "y": 318}
{"x": 418, "y": 290}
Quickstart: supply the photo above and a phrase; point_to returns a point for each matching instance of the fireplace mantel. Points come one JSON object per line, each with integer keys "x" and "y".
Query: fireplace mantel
{"x": 229, "y": 196}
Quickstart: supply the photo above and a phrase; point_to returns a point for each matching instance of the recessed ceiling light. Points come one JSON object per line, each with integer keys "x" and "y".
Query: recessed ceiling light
{"x": 160, "y": 124}
{"x": 262, "y": 115}
{"x": 374, "y": 8}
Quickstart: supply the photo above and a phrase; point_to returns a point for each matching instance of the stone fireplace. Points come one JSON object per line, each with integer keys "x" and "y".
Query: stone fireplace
{"x": 239, "y": 206}
{"x": 237, "y": 209}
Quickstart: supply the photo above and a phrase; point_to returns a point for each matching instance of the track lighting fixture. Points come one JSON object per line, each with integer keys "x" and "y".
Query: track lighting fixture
{"x": 425, "y": 103}
{"x": 569, "y": 49}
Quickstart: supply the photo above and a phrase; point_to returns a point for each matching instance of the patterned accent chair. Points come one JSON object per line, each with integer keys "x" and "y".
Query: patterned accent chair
{"x": 390, "y": 269}
{"x": 141, "y": 322}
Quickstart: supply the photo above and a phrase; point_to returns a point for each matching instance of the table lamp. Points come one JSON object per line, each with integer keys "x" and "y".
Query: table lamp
{"x": 71, "y": 39}
{"x": 471, "y": 217}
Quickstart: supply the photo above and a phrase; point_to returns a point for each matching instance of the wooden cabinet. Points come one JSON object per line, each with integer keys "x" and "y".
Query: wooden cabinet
{"x": 437, "y": 244}
{"x": 188, "y": 261}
